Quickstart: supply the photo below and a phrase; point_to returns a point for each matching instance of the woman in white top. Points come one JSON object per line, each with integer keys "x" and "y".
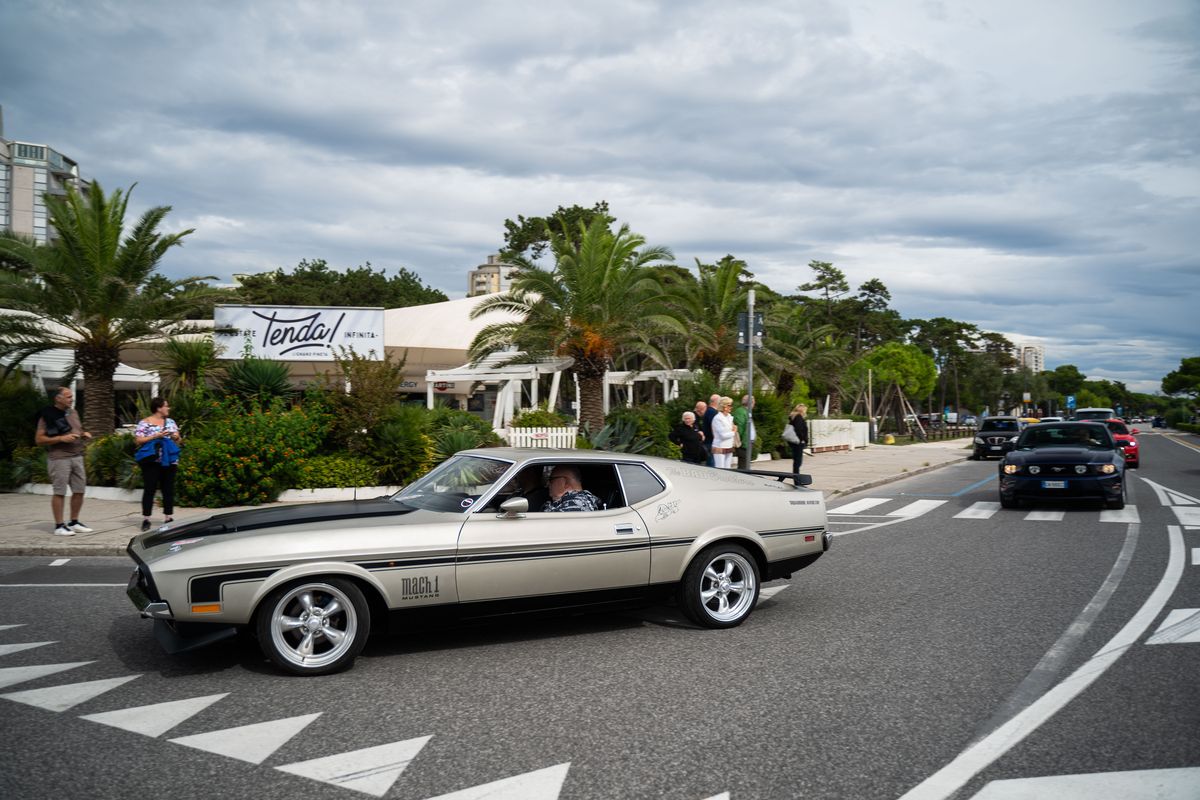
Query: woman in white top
{"x": 723, "y": 428}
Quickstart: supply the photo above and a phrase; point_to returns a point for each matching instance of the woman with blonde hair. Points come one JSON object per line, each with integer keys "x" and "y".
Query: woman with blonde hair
{"x": 800, "y": 425}
{"x": 723, "y": 427}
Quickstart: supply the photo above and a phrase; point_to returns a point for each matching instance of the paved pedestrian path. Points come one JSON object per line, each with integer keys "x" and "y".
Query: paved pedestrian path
{"x": 26, "y": 525}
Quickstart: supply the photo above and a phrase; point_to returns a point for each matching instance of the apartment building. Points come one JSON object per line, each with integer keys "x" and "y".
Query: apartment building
{"x": 28, "y": 172}
{"x": 490, "y": 278}
{"x": 1031, "y": 356}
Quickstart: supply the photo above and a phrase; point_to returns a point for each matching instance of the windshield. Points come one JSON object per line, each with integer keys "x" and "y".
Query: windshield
{"x": 454, "y": 485}
{"x": 1094, "y": 437}
{"x": 1009, "y": 425}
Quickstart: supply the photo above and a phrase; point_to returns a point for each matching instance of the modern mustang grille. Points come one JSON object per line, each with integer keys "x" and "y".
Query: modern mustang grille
{"x": 996, "y": 439}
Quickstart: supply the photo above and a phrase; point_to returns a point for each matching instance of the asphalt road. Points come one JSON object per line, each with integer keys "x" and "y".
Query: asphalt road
{"x": 938, "y": 650}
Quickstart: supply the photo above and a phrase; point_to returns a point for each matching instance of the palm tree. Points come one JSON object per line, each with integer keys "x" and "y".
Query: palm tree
{"x": 601, "y": 300}
{"x": 89, "y": 291}
{"x": 797, "y": 346}
{"x": 713, "y": 302}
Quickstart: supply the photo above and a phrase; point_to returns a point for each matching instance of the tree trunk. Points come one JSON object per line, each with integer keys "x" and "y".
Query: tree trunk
{"x": 591, "y": 402}
{"x": 98, "y": 407}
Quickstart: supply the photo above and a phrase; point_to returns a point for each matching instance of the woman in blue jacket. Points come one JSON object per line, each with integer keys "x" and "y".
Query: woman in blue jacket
{"x": 157, "y": 439}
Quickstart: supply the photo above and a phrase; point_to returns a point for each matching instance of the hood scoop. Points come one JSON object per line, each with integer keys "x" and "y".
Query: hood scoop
{"x": 277, "y": 516}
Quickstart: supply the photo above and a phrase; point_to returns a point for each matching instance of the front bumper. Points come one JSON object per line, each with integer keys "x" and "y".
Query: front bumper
{"x": 1085, "y": 487}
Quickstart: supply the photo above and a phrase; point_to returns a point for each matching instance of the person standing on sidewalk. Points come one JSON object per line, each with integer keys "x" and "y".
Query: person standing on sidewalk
{"x": 60, "y": 431}
{"x": 800, "y": 425}
{"x": 723, "y": 428}
{"x": 744, "y": 417}
{"x": 706, "y": 426}
{"x": 157, "y": 439}
{"x": 689, "y": 439}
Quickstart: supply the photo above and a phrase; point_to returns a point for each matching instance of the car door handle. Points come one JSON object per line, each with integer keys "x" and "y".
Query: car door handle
{"x": 625, "y": 529}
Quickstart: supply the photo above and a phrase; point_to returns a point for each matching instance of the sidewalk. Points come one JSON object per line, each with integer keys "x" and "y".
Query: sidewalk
{"x": 26, "y": 524}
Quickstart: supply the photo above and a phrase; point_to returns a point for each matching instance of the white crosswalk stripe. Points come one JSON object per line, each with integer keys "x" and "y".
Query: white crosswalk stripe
{"x": 542, "y": 784}
{"x": 1045, "y": 516}
{"x": 917, "y": 508}
{"x": 859, "y": 506}
{"x": 253, "y": 743}
{"x": 61, "y": 698}
{"x": 156, "y": 719}
{"x": 978, "y": 511}
{"x": 1126, "y": 514}
{"x": 10, "y": 676}
{"x": 371, "y": 770}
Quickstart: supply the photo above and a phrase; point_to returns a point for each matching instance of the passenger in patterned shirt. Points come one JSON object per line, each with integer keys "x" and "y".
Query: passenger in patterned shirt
{"x": 567, "y": 492}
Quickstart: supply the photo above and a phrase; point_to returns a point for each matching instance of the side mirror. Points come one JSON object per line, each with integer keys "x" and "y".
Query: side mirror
{"x": 1135, "y": 431}
{"x": 514, "y": 507}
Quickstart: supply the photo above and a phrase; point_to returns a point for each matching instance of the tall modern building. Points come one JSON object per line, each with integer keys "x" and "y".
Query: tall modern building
{"x": 490, "y": 278}
{"x": 28, "y": 172}
{"x": 1031, "y": 356}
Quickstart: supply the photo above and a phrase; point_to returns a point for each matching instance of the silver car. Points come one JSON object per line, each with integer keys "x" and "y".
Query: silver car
{"x": 312, "y": 581}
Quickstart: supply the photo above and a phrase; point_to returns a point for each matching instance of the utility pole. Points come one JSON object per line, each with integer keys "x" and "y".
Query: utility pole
{"x": 749, "y": 379}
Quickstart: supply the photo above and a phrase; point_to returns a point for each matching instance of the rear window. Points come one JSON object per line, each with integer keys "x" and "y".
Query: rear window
{"x": 1117, "y": 427}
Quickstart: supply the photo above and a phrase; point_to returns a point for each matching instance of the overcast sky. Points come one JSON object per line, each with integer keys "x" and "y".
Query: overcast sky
{"x": 1027, "y": 166}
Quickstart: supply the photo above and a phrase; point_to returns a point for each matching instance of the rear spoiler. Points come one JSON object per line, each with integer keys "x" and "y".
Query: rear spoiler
{"x": 798, "y": 478}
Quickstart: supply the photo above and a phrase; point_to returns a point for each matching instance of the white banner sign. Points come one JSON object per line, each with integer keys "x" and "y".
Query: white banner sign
{"x": 298, "y": 333}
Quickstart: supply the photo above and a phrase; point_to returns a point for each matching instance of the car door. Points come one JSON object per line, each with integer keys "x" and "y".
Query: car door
{"x": 553, "y": 558}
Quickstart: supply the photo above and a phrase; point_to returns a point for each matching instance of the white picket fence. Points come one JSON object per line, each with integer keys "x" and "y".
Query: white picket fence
{"x": 541, "y": 437}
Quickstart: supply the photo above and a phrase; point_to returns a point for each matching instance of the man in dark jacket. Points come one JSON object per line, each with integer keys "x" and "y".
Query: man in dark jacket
{"x": 714, "y": 408}
{"x": 689, "y": 439}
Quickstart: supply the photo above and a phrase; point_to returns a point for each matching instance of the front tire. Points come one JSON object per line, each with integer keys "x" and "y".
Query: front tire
{"x": 1119, "y": 503}
{"x": 720, "y": 586}
{"x": 314, "y": 626}
{"x": 1009, "y": 502}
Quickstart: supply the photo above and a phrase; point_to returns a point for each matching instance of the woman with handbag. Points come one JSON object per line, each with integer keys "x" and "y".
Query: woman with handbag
{"x": 724, "y": 431}
{"x": 795, "y": 433}
{"x": 157, "y": 439}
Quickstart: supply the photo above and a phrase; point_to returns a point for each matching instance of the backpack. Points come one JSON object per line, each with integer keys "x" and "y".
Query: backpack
{"x": 789, "y": 434}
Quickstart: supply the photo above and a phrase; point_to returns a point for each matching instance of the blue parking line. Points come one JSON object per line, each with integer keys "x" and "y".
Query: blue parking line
{"x": 959, "y": 493}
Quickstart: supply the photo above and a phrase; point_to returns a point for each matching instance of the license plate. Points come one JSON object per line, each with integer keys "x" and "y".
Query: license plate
{"x": 995, "y": 447}
{"x": 1054, "y": 484}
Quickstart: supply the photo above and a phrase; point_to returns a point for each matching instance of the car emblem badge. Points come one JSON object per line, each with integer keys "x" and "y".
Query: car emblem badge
{"x": 467, "y": 502}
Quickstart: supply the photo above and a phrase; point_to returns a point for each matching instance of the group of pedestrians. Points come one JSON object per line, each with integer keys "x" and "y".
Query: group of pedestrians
{"x": 157, "y": 443}
{"x": 714, "y": 431}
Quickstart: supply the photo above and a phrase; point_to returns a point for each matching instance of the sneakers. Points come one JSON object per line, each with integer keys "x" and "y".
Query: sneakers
{"x": 78, "y": 526}
{"x": 145, "y": 524}
{"x": 62, "y": 530}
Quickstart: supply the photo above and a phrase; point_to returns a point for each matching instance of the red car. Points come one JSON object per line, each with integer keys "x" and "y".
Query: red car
{"x": 1125, "y": 440}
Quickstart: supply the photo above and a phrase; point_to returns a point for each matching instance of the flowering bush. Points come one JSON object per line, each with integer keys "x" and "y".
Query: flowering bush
{"x": 338, "y": 470}
{"x": 247, "y": 456}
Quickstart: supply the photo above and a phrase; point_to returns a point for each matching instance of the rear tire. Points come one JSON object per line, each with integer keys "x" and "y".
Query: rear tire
{"x": 313, "y": 626}
{"x": 720, "y": 586}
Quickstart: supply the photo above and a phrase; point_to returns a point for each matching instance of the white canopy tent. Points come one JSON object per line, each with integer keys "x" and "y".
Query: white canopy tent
{"x": 509, "y": 378}
{"x": 51, "y": 367}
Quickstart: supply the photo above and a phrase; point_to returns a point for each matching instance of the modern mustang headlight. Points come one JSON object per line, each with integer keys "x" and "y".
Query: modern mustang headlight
{"x": 1034, "y": 470}
{"x": 1106, "y": 469}
{"x": 1012, "y": 469}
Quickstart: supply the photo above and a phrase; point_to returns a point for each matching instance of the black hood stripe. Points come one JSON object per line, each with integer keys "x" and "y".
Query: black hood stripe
{"x": 276, "y": 516}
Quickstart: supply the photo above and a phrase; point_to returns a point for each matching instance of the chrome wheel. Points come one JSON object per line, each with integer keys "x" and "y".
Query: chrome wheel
{"x": 314, "y": 626}
{"x": 728, "y": 586}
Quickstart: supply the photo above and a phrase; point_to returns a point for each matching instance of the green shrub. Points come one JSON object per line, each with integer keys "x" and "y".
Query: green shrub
{"x": 28, "y": 466}
{"x": 399, "y": 447}
{"x": 541, "y": 418}
{"x": 770, "y": 415}
{"x": 642, "y": 430}
{"x": 443, "y": 418}
{"x": 1176, "y": 416}
{"x": 247, "y": 456}
{"x": 340, "y": 470}
{"x": 109, "y": 462}
{"x": 19, "y": 405}
{"x": 257, "y": 381}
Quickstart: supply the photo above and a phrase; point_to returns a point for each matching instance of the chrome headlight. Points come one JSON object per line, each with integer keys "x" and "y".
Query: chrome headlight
{"x": 1081, "y": 468}
{"x": 1011, "y": 469}
{"x": 1035, "y": 470}
{"x": 1107, "y": 469}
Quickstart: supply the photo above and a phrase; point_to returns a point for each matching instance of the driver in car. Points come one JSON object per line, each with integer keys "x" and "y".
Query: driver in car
{"x": 567, "y": 492}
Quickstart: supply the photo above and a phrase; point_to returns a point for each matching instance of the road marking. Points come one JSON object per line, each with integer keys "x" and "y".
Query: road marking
{"x": 254, "y": 743}
{"x": 1161, "y": 784}
{"x": 1182, "y": 626}
{"x": 1045, "y": 516}
{"x": 1128, "y": 514}
{"x": 371, "y": 771}
{"x": 54, "y": 585}
{"x": 979, "y": 510}
{"x": 1180, "y": 499}
{"x": 156, "y": 719}
{"x": 1195, "y": 556}
{"x": 11, "y": 676}
{"x": 543, "y": 784}
{"x": 1187, "y": 515}
{"x": 58, "y": 562}
{"x": 61, "y": 698}
{"x": 859, "y": 505}
{"x": 977, "y": 757}
{"x": 8, "y": 627}
{"x": 917, "y": 508}
{"x": 767, "y": 592}
{"x": 1169, "y": 497}
{"x": 6, "y": 649}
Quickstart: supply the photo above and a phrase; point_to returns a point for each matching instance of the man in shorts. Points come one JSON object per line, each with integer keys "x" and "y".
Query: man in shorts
{"x": 60, "y": 431}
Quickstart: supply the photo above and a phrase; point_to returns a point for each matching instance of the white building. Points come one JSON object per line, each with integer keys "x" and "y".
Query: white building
{"x": 28, "y": 172}
{"x": 491, "y": 278}
{"x": 1031, "y": 356}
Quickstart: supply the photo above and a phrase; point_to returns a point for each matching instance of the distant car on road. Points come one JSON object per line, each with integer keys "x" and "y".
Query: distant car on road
{"x": 1051, "y": 419}
{"x": 1063, "y": 461}
{"x": 1126, "y": 440}
{"x": 1159, "y": 422}
{"x": 993, "y": 435}
{"x": 970, "y": 421}
{"x": 1084, "y": 414}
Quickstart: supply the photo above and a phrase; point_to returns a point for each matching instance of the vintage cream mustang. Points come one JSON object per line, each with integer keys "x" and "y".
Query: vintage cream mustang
{"x": 312, "y": 581}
